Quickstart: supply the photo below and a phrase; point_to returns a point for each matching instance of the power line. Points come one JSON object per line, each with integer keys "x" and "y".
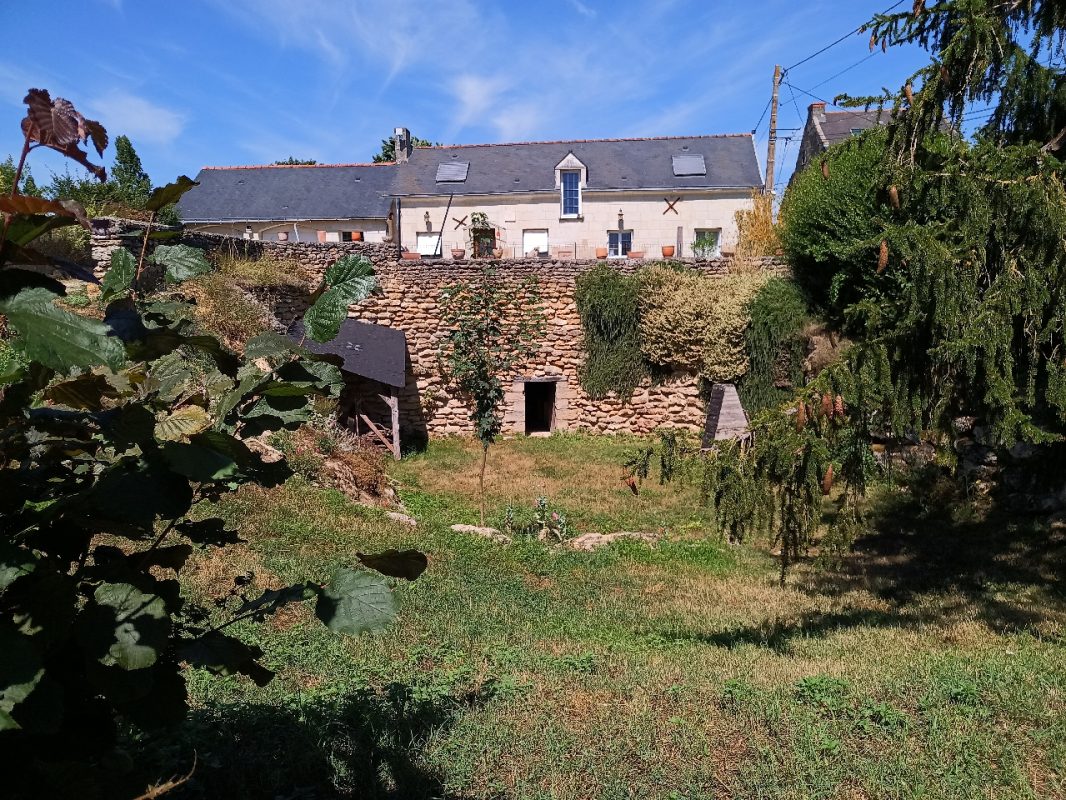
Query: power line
{"x": 762, "y": 116}
{"x": 849, "y": 69}
{"x": 828, "y": 103}
{"x": 847, "y": 35}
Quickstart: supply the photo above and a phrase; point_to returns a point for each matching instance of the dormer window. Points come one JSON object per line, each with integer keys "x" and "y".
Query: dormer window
{"x": 571, "y": 176}
{"x": 571, "y": 192}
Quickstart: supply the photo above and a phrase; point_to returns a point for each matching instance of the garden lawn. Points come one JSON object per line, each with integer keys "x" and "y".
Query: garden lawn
{"x": 680, "y": 671}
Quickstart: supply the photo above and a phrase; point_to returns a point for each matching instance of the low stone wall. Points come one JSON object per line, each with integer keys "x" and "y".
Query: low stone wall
{"x": 410, "y": 301}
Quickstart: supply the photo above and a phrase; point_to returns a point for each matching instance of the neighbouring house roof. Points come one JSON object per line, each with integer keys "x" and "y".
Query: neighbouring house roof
{"x": 612, "y": 164}
{"x": 282, "y": 193}
{"x": 363, "y": 191}
{"x": 370, "y": 351}
{"x": 839, "y": 125}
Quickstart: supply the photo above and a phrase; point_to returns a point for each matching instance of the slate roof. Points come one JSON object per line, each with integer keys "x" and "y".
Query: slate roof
{"x": 364, "y": 191}
{"x": 612, "y": 164}
{"x": 371, "y": 351}
{"x": 838, "y": 125}
{"x": 282, "y": 193}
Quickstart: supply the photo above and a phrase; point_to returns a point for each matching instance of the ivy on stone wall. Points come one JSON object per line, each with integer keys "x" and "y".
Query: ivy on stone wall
{"x": 609, "y": 305}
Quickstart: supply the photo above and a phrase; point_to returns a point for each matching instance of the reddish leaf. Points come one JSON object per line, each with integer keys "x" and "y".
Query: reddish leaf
{"x": 827, "y": 481}
{"x": 827, "y": 405}
{"x": 801, "y": 416}
{"x": 22, "y": 204}
{"x": 57, "y": 124}
{"x": 882, "y": 257}
{"x": 632, "y": 484}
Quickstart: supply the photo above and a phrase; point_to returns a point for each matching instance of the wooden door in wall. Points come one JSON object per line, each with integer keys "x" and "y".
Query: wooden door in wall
{"x": 484, "y": 242}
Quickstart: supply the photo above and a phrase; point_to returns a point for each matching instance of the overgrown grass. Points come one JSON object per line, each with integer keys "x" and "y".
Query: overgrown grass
{"x": 683, "y": 671}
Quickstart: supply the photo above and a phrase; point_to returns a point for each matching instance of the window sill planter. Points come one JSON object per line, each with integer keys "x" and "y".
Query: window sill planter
{"x": 635, "y": 254}
{"x": 668, "y": 251}
{"x": 411, "y": 256}
{"x": 601, "y": 252}
{"x": 458, "y": 253}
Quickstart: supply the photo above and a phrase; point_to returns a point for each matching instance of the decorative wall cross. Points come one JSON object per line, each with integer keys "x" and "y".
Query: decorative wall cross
{"x": 670, "y": 205}
{"x": 460, "y": 223}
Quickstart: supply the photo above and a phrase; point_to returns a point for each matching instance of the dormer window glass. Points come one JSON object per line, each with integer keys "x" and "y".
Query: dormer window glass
{"x": 570, "y": 180}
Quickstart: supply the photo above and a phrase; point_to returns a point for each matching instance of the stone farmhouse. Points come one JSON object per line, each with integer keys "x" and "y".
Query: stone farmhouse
{"x": 567, "y": 199}
{"x": 548, "y": 210}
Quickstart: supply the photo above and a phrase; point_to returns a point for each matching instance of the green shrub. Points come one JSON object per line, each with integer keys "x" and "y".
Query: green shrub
{"x": 830, "y": 231}
{"x": 774, "y": 344}
{"x": 609, "y": 305}
{"x": 693, "y": 321}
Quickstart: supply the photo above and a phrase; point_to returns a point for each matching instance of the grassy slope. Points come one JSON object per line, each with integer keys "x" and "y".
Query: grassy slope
{"x": 682, "y": 671}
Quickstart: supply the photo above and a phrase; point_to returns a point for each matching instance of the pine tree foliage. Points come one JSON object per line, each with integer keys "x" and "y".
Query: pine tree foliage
{"x": 961, "y": 304}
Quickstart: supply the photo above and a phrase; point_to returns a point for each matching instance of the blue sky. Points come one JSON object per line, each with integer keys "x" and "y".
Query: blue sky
{"x": 222, "y": 82}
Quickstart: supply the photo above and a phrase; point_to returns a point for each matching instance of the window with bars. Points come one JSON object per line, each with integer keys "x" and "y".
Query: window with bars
{"x": 571, "y": 188}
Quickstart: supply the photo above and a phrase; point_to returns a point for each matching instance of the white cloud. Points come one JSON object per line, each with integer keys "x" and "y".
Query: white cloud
{"x": 475, "y": 95}
{"x": 583, "y": 9}
{"x": 141, "y": 120}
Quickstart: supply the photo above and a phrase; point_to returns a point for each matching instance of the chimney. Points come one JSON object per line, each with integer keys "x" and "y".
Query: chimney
{"x": 817, "y": 111}
{"x": 401, "y": 138}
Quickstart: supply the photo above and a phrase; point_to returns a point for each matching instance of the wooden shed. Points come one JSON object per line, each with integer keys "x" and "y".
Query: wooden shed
{"x": 374, "y": 360}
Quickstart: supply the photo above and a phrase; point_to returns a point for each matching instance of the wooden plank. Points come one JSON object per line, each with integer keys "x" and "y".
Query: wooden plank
{"x": 680, "y": 241}
{"x": 374, "y": 429}
{"x": 394, "y": 405}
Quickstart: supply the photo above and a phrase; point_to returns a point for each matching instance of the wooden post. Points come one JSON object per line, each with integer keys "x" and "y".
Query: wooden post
{"x": 771, "y": 148}
{"x": 394, "y": 405}
{"x": 680, "y": 243}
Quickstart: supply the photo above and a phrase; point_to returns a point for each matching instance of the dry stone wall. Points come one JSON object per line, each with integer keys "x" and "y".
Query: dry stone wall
{"x": 410, "y": 301}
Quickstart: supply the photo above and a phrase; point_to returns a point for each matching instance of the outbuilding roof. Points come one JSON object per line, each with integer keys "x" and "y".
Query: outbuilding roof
{"x": 283, "y": 193}
{"x": 370, "y": 351}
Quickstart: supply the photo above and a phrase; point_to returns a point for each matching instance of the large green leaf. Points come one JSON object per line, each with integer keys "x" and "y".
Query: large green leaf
{"x": 21, "y": 670}
{"x": 353, "y": 277}
{"x": 57, "y": 338}
{"x": 87, "y": 391}
{"x": 27, "y": 227}
{"x": 14, "y": 563}
{"x": 288, "y": 410}
{"x": 124, "y": 626}
{"x": 139, "y": 491}
{"x": 208, "y": 456}
{"x": 271, "y": 345}
{"x": 171, "y": 193}
{"x": 180, "y": 261}
{"x": 119, "y": 277}
{"x": 355, "y": 602}
{"x": 183, "y": 423}
{"x": 322, "y": 322}
{"x": 305, "y": 377}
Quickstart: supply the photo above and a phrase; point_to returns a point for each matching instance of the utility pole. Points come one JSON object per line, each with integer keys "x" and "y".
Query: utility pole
{"x": 771, "y": 148}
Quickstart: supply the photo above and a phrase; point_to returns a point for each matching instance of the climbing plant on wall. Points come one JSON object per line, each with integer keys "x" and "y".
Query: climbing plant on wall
{"x": 609, "y": 305}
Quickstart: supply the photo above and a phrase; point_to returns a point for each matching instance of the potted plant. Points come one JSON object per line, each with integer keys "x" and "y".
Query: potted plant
{"x": 407, "y": 255}
{"x": 668, "y": 251}
{"x": 636, "y": 254}
{"x": 458, "y": 253}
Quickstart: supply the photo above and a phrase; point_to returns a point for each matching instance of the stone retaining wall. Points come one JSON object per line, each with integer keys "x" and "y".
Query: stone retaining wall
{"x": 410, "y": 301}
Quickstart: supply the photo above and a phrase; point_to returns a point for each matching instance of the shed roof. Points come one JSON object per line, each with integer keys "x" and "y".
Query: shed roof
{"x": 282, "y": 193}
{"x": 726, "y": 418}
{"x": 612, "y": 164}
{"x": 370, "y": 351}
{"x": 839, "y": 125}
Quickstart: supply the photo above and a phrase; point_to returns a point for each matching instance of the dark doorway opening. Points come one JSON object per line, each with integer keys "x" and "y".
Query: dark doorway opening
{"x": 540, "y": 406}
{"x": 484, "y": 242}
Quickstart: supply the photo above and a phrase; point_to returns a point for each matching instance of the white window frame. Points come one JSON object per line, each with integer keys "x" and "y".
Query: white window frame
{"x": 621, "y": 243}
{"x": 539, "y": 233}
{"x": 563, "y": 214}
{"x": 430, "y": 242}
{"x": 718, "y": 244}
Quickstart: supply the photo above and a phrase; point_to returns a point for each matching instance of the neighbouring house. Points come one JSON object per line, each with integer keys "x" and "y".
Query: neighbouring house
{"x": 826, "y": 128}
{"x": 568, "y": 199}
{"x": 291, "y": 203}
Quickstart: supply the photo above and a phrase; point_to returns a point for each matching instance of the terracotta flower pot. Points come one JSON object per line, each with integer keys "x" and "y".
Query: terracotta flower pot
{"x": 458, "y": 253}
{"x": 497, "y": 253}
{"x": 357, "y": 236}
{"x": 283, "y": 236}
{"x": 668, "y": 251}
{"x": 406, "y": 256}
{"x": 636, "y": 254}
{"x": 321, "y": 235}
{"x": 601, "y": 252}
